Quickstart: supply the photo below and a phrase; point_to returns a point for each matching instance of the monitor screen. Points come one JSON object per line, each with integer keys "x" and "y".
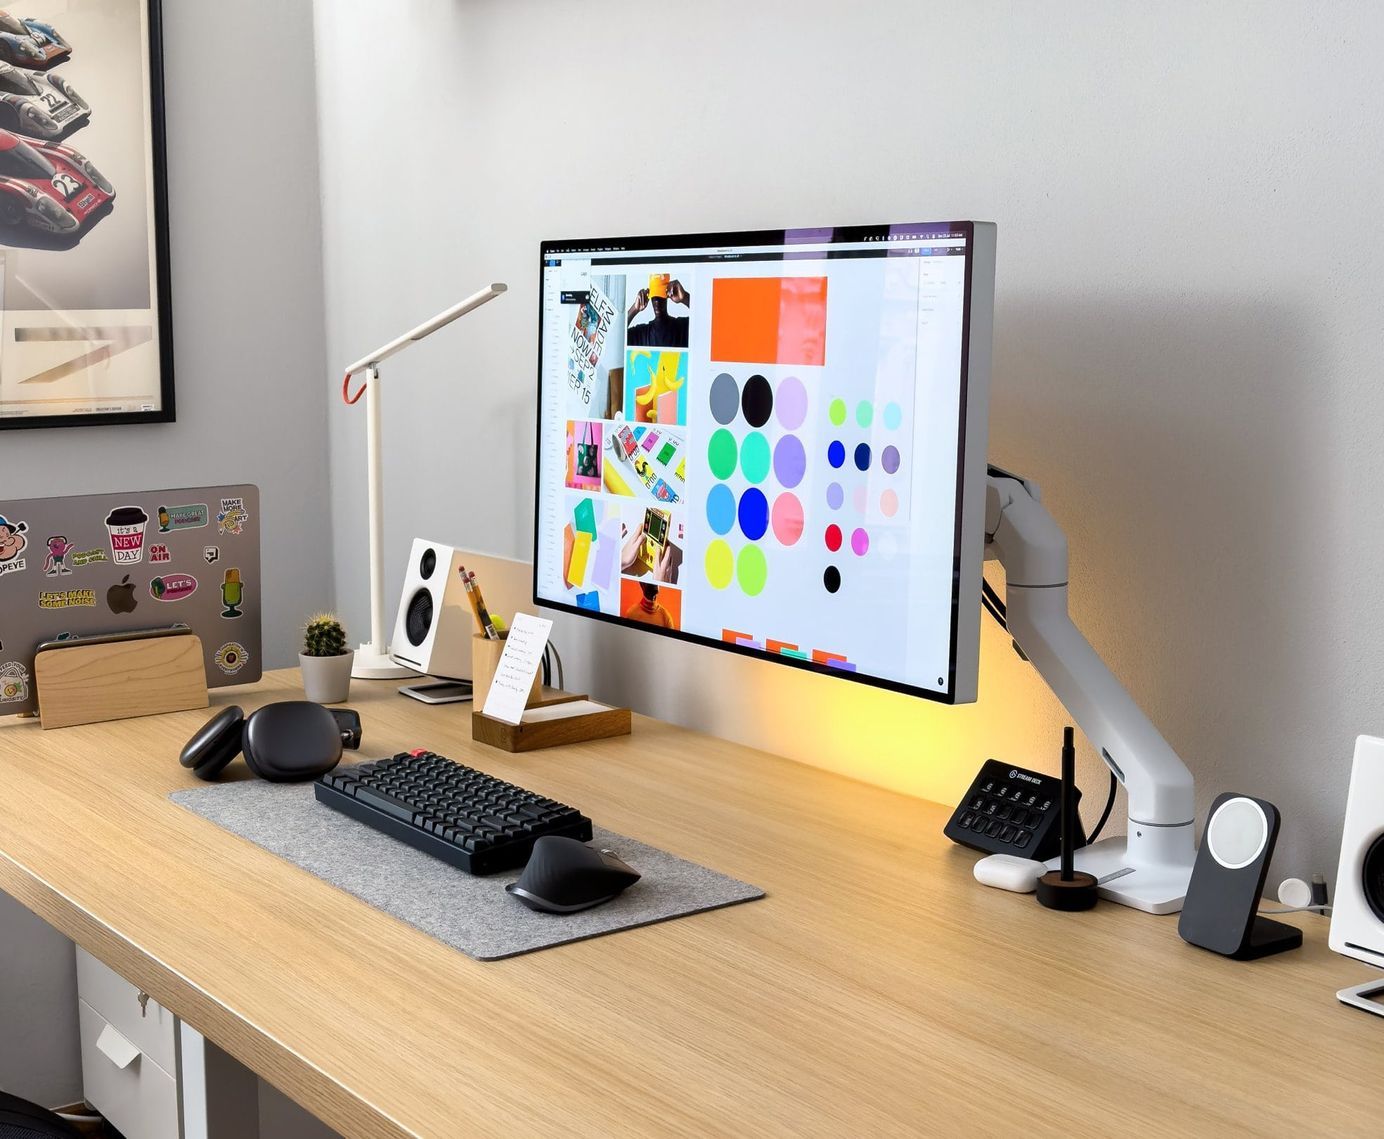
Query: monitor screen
{"x": 772, "y": 442}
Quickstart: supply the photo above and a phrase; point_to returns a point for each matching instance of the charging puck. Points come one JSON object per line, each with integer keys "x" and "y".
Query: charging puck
{"x": 1071, "y": 895}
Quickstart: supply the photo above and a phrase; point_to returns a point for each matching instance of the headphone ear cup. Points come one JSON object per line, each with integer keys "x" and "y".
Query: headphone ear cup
{"x": 216, "y": 743}
{"x": 292, "y": 741}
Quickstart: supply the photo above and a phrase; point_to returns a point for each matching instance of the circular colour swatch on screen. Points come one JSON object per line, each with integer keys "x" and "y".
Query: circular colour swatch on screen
{"x": 836, "y": 453}
{"x": 720, "y": 564}
{"x": 836, "y": 495}
{"x": 724, "y": 398}
{"x": 836, "y": 411}
{"x": 754, "y": 514}
{"x": 862, "y": 457}
{"x": 889, "y": 459}
{"x": 893, "y": 416}
{"x": 860, "y": 543}
{"x": 791, "y": 403}
{"x": 757, "y": 401}
{"x": 754, "y": 457}
{"x": 864, "y": 413}
{"x": 889, "y": 504}
{"x": 832, "y": 579}
{"x": 720, "y": 509}
{"x": 790, "y": 461}
{"x": 860, "y": 499}
{"x": 787, "y": 519}
{"x": 722, "y": 454}
{"x": 833, "y": 537}
{"x": 751, "y": 570}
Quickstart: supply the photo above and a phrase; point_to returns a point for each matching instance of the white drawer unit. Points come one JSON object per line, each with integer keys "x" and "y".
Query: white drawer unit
{"x": 125, "y": 1084}
{"x": 145, "y": 1023}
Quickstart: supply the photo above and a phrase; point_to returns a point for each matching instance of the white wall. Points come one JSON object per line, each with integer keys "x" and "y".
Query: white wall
{"x": 1188, "y": 339}
{"x": 247, "y": 332}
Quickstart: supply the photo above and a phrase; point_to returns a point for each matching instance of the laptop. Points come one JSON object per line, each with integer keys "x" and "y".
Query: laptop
{"x": 96, "y": 564}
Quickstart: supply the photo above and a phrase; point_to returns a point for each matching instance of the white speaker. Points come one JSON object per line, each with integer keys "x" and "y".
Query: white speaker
{"x": 1357, "y": 912}
{"x": 433, "y": 629}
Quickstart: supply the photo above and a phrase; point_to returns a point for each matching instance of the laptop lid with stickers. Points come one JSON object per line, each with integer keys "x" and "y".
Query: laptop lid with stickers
{"x": 95, "y": 564}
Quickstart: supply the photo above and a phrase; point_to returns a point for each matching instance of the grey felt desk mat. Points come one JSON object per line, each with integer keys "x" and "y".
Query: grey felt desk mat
{"x": 471, "y": 914}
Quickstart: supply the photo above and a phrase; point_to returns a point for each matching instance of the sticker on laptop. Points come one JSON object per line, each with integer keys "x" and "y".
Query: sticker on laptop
{"x": 211, "y": 554}
{"x": 232, "y": 516}
{"x": 232, "y": 594}
{"x": 231, "y": 657}
{"x": 14, "y": 682}
{"x": 173, "y": 587}
{"x": 159, "y": 553}
{"x": 55, "y": 564}
{"x": 87, "y": 558}
{"x": 125, "y": 525}
{"x": 12, "y": 543}
{"x": 67, "y": 599}
{"x": 192, "y": 517}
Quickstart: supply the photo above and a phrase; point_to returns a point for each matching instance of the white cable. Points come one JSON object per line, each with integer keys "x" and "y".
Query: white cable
{"x": 1324, "y": 910}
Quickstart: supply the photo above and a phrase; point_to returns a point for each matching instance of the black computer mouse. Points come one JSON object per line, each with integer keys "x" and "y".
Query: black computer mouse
{"x": 564, "y": 876}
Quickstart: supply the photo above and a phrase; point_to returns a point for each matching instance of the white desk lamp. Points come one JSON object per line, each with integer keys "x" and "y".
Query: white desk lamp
{"x": 1148, "y": 869}
{"x": 372, "y": 659}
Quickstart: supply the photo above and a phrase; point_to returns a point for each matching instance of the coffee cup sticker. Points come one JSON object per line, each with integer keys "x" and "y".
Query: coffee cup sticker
{"x": 126, "y": 526}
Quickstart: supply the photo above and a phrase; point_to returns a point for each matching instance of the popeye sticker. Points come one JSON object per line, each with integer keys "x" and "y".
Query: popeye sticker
{"x": 183, "y": 517}
{"x": 232, "y": 516}
{"x": 12, "y": 543}
{"x": 231, "y": 657}
{"x": 14, "y": 682}
{"x": 55, "y": 564}
{"x": 173, "y": 587}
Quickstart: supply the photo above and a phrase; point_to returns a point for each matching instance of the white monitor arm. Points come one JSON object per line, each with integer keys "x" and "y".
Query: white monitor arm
{"x": 1148, "y": 869}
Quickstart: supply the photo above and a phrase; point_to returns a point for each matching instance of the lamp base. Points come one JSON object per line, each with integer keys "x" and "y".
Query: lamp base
{"x": 373, "y": 665}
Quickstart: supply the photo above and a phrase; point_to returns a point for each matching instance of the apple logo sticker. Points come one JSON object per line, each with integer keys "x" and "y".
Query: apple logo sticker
{"x": 121, "y": 598}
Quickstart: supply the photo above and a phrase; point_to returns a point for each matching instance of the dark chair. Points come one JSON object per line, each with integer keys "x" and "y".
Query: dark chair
{"x": 20, "y": 1119}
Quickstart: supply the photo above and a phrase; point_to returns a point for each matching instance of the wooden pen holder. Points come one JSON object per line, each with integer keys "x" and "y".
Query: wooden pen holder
{"x": 485, "y": 659}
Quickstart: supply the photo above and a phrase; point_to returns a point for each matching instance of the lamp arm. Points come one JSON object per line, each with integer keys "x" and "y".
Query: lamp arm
{"x": 1026, "y": 540}
{"x": 426, "y": 329}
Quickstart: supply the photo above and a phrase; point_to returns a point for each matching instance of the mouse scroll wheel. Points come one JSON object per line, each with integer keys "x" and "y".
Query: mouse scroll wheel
{"x": 612, "y": 853}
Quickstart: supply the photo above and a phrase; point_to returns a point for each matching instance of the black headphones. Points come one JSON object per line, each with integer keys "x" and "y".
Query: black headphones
{"x": 287, "y": 742}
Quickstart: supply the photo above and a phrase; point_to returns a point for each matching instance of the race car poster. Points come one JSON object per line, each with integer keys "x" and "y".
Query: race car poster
{"x": 84, "y": 312}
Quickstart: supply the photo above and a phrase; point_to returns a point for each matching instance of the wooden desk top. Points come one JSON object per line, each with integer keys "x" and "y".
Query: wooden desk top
{"x": 878, "y": 990}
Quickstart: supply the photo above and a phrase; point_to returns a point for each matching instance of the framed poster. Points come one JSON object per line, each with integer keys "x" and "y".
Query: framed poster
{"x": 84, "y": 297}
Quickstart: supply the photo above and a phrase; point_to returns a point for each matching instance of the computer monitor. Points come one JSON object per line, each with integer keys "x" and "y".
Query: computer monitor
{"x": 772, "y": 442}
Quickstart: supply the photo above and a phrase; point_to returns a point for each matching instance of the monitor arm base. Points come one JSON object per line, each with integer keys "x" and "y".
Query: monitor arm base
{"x": 1150, "y": 867}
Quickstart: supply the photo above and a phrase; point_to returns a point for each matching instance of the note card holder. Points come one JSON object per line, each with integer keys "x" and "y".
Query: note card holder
{"x": 92, "y": 680}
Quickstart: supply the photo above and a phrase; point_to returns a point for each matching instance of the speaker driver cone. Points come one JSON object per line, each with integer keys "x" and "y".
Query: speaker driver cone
{"x": 418, "y": 617}
{"x": 1372, "y": 880}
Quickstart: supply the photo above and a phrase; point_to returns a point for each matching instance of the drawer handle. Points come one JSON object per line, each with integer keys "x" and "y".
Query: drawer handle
{"x": 116, "y": 1048}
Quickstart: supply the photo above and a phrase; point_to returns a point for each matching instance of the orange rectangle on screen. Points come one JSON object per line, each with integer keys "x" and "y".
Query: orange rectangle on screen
{"x": 821, "y": 656}
{"x": 778, "y": 646}
{"x": 769, "y": 320}
{"x": 730, "y": 636}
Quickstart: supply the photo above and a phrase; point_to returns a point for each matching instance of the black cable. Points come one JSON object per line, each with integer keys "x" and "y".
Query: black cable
{"x": 988, "y": 591}
{"x": 995, "y": 613}
{"x": 1105, "y": 814}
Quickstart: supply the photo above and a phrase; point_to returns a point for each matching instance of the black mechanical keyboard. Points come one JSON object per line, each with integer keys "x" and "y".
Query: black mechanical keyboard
{"x": 462, "y": 816}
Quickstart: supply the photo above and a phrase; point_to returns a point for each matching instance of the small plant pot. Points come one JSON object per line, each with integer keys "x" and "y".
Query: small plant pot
{"x": 327, "y": 680}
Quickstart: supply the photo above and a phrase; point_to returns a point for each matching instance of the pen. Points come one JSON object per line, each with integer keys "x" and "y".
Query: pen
{"x": 473, "y": 595}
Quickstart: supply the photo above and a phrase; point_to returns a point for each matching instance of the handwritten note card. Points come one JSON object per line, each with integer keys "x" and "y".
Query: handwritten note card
{"x": 519, "y": 662}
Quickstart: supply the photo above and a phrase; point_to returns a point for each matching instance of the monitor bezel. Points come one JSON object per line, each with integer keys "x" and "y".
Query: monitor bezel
{"x": 959, "y": 689}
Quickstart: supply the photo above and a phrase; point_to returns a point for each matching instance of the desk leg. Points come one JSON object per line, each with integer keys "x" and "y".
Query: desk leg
{"x": 218, "y": 1098}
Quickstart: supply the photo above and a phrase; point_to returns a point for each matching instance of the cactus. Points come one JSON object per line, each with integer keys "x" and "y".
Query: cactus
{"x": 324, "y": 636}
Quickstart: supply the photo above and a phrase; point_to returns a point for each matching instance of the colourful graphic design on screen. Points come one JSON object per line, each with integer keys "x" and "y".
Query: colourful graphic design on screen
{"x": 656, "y": 386}
{"x": 769, "y": 320}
